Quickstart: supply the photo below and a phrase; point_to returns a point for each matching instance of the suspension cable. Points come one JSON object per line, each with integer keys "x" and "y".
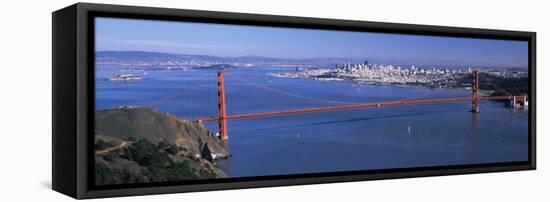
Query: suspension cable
{"x": 178, "y": 93}
{"x": 289, "y": 93}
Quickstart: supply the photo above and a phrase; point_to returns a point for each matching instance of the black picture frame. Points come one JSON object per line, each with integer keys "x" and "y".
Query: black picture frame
{"x": 73, "y": 99}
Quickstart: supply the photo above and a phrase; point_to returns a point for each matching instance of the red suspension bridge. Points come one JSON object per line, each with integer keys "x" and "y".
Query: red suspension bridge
{"x": 223, "y": 116}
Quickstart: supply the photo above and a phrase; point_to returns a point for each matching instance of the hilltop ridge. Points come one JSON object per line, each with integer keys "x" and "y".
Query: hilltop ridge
{"x": 141, "y": 144}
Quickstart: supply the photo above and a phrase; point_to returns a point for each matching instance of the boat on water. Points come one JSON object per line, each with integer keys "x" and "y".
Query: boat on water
{"x": 124, "y": 77}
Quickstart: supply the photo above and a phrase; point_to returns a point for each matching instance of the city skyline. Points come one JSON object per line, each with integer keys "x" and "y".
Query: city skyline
{"x": 237, "y": 40}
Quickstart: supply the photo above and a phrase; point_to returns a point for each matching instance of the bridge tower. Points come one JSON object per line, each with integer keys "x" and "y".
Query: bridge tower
{"x": 222, "y": 114}
{"x": 475, "y": 92}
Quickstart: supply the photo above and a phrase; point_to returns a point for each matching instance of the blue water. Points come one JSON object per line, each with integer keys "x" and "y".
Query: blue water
{"x": 361, "y": 139}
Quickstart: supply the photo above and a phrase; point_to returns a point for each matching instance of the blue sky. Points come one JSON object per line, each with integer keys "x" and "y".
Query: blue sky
{"x": 237, "y": 40}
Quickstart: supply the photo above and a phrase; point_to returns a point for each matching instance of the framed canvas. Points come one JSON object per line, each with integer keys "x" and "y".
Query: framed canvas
{"x": 156, "y": 100}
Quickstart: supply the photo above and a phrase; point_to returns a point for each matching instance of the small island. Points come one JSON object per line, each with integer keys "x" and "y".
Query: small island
{"x": 124, "y": 77}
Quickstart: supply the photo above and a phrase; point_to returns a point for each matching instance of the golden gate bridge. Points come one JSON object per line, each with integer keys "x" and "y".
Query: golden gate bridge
{"x": 222, "y": 116}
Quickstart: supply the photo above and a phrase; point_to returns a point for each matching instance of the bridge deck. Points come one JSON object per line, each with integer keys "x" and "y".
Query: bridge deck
{"x": 346, "y": 107}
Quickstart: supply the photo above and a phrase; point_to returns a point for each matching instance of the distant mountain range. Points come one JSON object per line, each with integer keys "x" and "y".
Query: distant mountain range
{"x": 107, "y": 59}
{"x": 138, "y": 58}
